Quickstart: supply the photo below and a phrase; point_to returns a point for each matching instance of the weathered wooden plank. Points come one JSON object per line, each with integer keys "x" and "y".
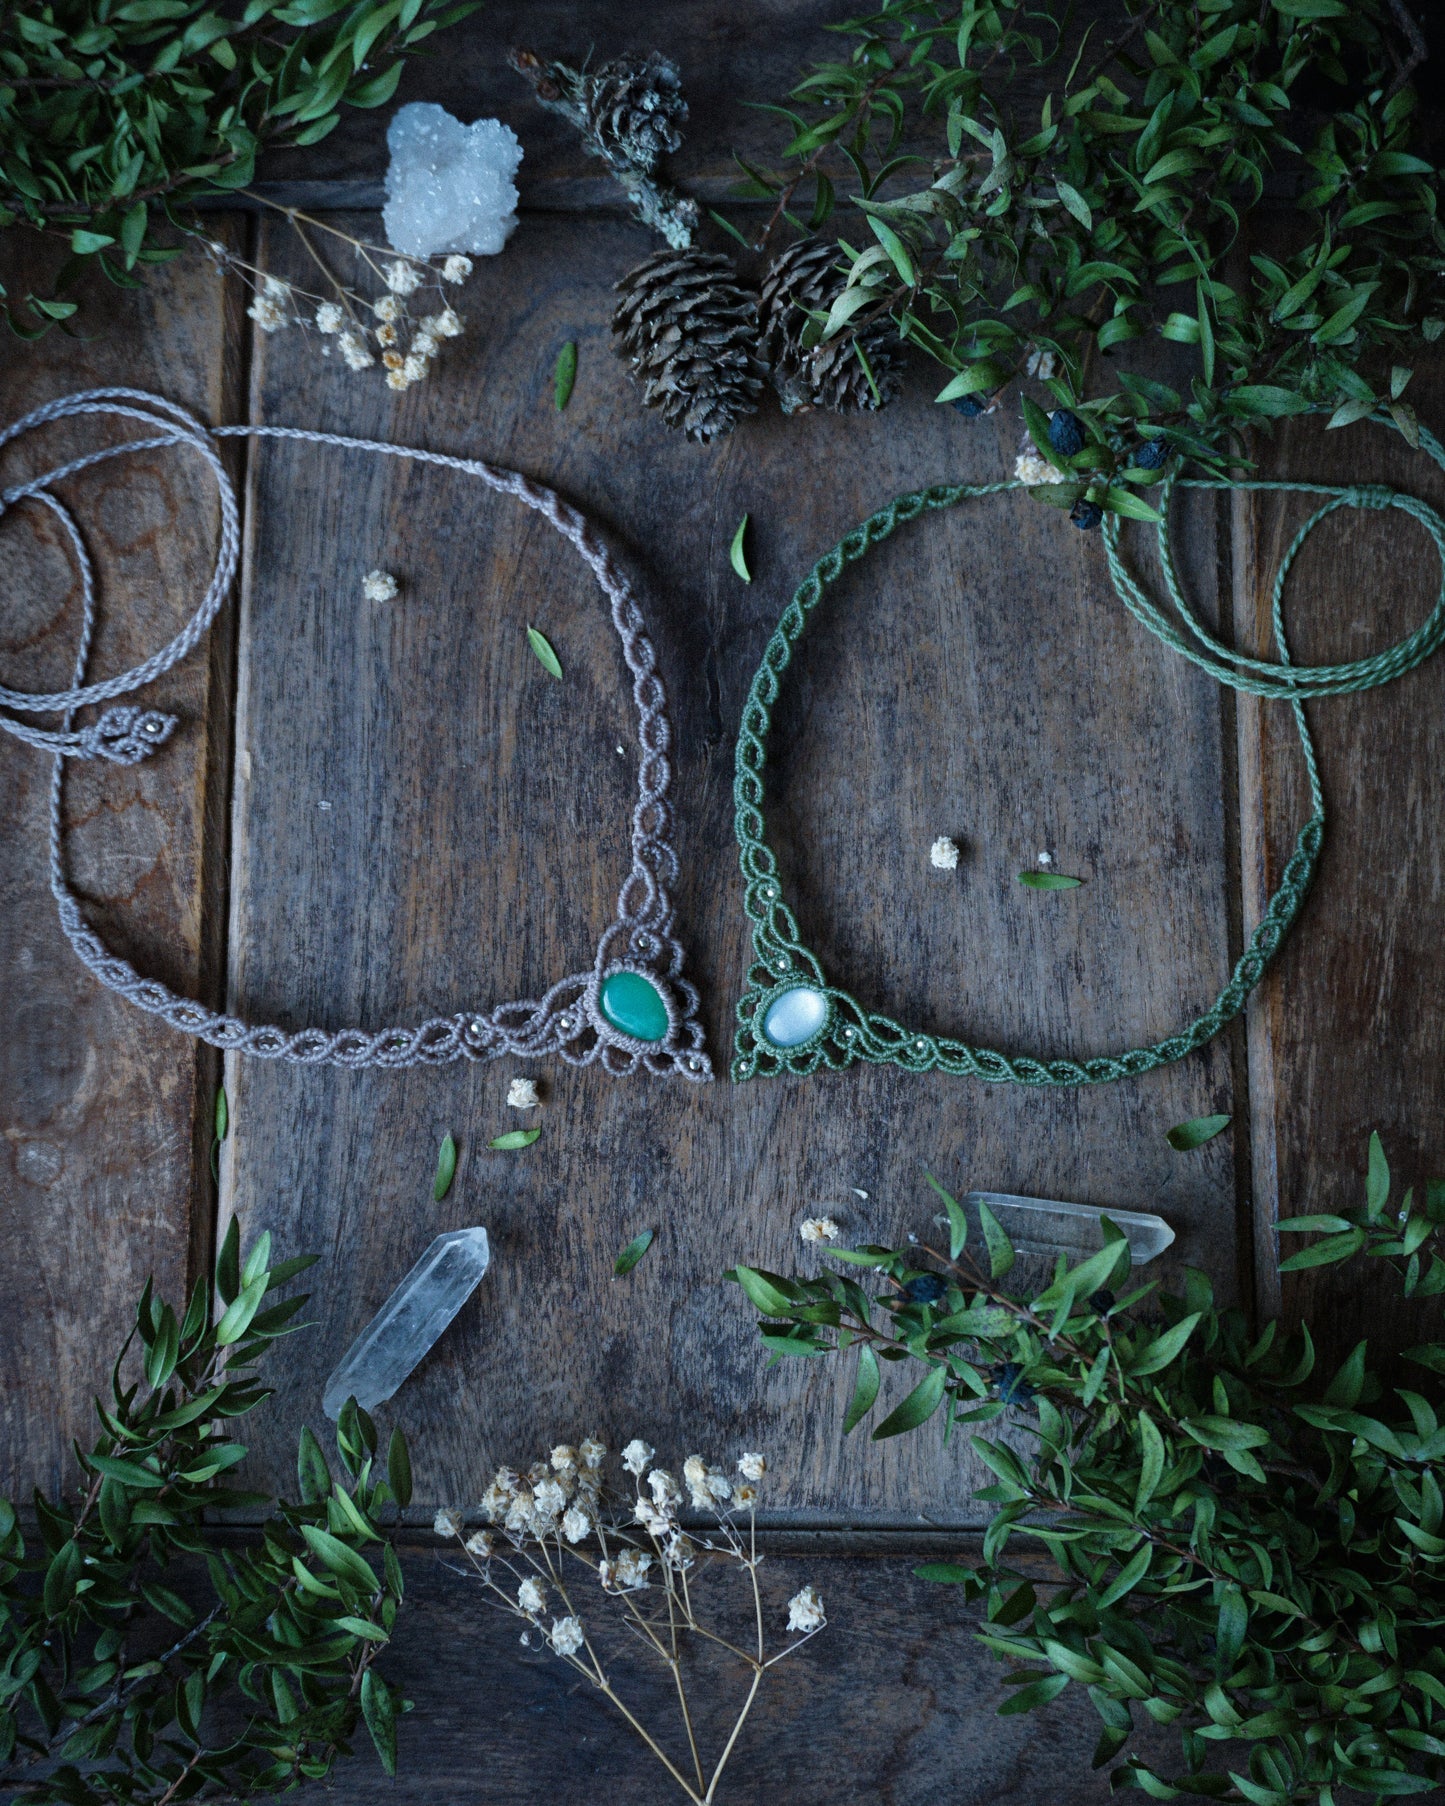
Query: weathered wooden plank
{"x": 424, "y": 821}
{"x": 1345, "y": 1035}
{"x": 103, "y": 1112}
{"x": 894, "y": 1702}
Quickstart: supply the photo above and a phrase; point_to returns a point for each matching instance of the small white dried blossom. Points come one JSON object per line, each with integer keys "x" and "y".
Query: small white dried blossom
{"x": 662, "y": 1486}
{"x": 549, "y": 1501}
{"x": 679, "y": 1551}
{"x": 499, "y": 1495}
{"x": 944, "y": 854}
{"x": 655, "y": 1522}
{"x": 480, "y": 1543}
{"x": 398, "y": 380}
{"x": 387, "y": 308}
{"x": 425, "y": 344}
{"x": 532, "y": 1597}
{"x": 744, "y": 1497}
{"x": 593, "y": 1453}
{"x": 637, "y": 1455}
{"x": 522, "y": 1094}
{"x": 1046, "y": 859}
{"x": 1032, "y": 468}
{"x": 575, "y": 1524}
{"x": 386, "y": 334}
{"x": 379, "y": 586}
{"x": 1042, "y": 364}
{"x": 267, "y": 314}
{"x": 448, "y": 324}
{"x": 805, "y": 1611}
{"x": 447, "y": 1522}
{"x": 330, "y": 317}
{"x": 752, "y": 1467}
{"x": 631, "y": 1568}
{"x": 566, "y": 1636}
{"x": 706, "y": 1484}
{"x": 563, "y": 1458}
{"x": 519, "y": 1511}
{"x": 275, "y": 289}
{"x": 819, "y": 1229}
{"x": 402, "y": 278}
{"x": 456, "y": 268}
{"x": 414, "y": 369}
{"x": 353, "y": 348}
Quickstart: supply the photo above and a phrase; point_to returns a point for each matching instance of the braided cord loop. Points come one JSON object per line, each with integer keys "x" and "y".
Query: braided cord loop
{"x": 571, "y": 1019}
{"x": 846, "y": 1031}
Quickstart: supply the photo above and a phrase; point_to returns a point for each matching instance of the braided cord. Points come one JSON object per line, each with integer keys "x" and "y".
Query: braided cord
{"x": 847, "y": 1031}
{"x": 568, "y": 1020}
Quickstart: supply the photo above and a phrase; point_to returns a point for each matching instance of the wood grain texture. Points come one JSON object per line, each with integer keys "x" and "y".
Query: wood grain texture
{"x": 424, "y": 821}
{"x": 894, "y": 1703}
{"x": 1345, "y": 1036}
{"x": 103, "y": 1162}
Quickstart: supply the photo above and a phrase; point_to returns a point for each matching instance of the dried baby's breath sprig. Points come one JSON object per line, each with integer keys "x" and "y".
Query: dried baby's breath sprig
{"x": 366, "y": 328}
{"x": 575, "y": 1563}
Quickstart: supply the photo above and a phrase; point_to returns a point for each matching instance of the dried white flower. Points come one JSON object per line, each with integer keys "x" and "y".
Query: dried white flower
{"x": 662, "y": 1486}
{"x": 532, "y": 1597}
{"x": 1032, "y": 468}
{"x": 402, "y": 278}
{"x": 386, "y": 334}
{"x": 1042, "y": 364}
{"x": 519, "y": 1511}
{"x": 448, "y": 324}
{"x": 499, "y": 1495}
{"x": 549, "y": 1501}
{"x": 805, "y": 1611}
{"x": 456, "y": 268}
{"x": 480, "y": 1543}
{"x": 631, "y": 1568}
{"x": 944, "y": 854}
{"x": 752, "y": 1467}
{"x": 397, "y": 379}
{"x": 447, "y": 1523}
{"x": 379, "y": 586}
{"x": 655, "y": 1522}
{"x": 1046, "y": 859}
{"x": 819, "y": 1229}
{"x": 679, "y": 1551}
{"x": 267, "y": 314}
{"x": 414, "y": 369}
{"x": 353, "y": 349}
{"x": 522, "y": 1094}
{"x": 637, "y": 1455}
{"x": 330, "y": 317}
{"x": 593, "y": 1453}
{"x": 566, "y": 1636}
{"x": 575, "y": 1524}
{"x": 706, "y": 1484}
{"x": 425, "y": 344}
{"x": 387, "y": 308}
{"x": 745, "y": 1496}
{"x": 563, "y": 1458}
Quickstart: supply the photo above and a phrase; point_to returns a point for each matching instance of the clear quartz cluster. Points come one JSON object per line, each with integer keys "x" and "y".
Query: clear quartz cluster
{"x": 449, "y": 186}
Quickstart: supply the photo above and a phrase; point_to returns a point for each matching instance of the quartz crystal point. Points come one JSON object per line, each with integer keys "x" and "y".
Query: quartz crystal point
{"x": 1050, "y": 1226}
{"x": 410, "y": 1321}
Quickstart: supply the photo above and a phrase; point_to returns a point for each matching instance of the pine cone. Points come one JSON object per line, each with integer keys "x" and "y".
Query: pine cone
{"x": 691, "y": 331}
{"x": 805, "y": 277}
{"x": 634, "y": 107}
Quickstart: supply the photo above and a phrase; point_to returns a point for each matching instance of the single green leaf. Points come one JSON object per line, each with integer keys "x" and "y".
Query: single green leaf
{"x": 398, "y": 1468}
{"x": 514, "y": 1138}
{"x": 917, "y": 1408}
{"x": 362, "y": 1627}
{"x": 737, "y": 554}
{"x": 446, "y": 1168}
{"x": 1076, "y": 204}
{"x": 223, "y": 1113}
{"x": 564, "y": 375}
{"x": 764, "y": 1291}
{"x": 338, "y": 1559}
{"x": 957, "y": 1220}
{"x": 1193, "y": 1134}
{"x": 945, "y": 1573}
{"x": 1377, "y": 1179}
{"x": 312, "y": 1473}
{"x": 633, "y": 1252}
{"x": 865, "y": 1391}
{"x": 1000, "y": 1248}
{"x": 546, "y": 657}
{"x": 379, "y": 1710}
{"x": 1048, "y": 881}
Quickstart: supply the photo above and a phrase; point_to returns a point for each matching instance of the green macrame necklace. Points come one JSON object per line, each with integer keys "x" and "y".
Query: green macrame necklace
{"x": 791, "y": 1019}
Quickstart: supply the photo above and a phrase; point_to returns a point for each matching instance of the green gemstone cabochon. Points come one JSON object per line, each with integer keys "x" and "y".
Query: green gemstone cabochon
{"x": 634, "y": 1006}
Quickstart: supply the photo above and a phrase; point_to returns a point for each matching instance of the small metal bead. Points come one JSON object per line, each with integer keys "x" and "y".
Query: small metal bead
{"x": 475, "y": 1029}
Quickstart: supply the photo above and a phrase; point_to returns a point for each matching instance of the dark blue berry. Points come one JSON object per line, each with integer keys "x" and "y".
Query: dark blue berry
{"x": 1153, "y": 454}
{"x": 1086, "y": 514}
{"x": 1066, "y": 433}
{"x": 969, "y": 406}
{"x": 1102, "y": 1300}
{"x": 924, "y": 1288}
{"x": 1013, "y": 1388}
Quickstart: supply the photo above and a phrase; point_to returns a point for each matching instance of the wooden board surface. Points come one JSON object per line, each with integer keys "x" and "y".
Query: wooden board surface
{"x": 425, "y": 821}
{"x": 102, "y": 1157}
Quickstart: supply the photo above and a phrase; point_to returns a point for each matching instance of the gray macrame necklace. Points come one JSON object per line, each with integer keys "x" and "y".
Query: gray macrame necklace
{"x": 632, "y": 1009}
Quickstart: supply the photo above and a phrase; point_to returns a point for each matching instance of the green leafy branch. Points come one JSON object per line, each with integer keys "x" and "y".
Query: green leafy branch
{"x": 1244, "y": 1551}
{"x": 117, "y": 1686}
{"x": 111, "y": 116}
{"x": 1119, "y": 213}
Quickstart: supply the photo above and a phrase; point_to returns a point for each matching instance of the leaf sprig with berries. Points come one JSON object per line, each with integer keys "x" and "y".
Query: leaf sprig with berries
{"x": 1243, "y": 1551}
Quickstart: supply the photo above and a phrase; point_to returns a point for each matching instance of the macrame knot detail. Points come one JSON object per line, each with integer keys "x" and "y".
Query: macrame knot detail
{"x": 126, "y": 735}
{"x": 1370, "y": 495}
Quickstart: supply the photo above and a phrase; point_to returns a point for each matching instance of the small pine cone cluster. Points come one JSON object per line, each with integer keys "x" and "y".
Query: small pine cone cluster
{"x": 690, "y": 329}
{"x": 701, "y": 344}
{"x": 635, "y": 109}
{"x": 806, "y": 279}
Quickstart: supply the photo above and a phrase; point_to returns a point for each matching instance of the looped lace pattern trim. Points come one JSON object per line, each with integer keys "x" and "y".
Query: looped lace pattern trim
{"x": 568, "y": 1020}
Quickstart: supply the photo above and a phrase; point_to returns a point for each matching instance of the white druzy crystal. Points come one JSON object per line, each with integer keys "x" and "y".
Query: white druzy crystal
{"x": 449, "y": 186}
